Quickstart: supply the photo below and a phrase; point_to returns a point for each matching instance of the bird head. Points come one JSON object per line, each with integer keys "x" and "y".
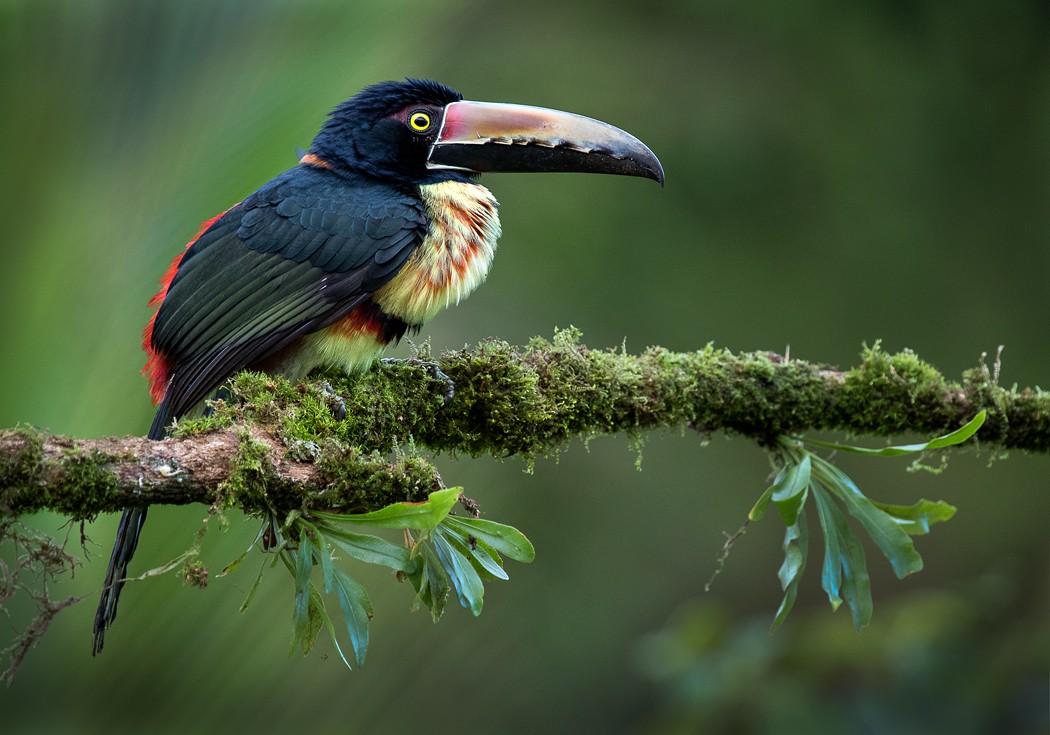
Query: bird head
{"x": 420, "y": 131}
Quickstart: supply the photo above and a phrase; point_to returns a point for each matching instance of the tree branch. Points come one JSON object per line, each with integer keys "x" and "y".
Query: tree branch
{"x": 324, "y": 444}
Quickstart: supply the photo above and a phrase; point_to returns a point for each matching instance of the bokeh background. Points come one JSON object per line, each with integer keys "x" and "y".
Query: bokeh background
{"x": 837, "y": 173}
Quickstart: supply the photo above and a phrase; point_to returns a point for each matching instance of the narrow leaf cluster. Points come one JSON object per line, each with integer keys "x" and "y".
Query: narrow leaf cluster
{"x": 442, "y": 552}
{"x": 844, "y": 574}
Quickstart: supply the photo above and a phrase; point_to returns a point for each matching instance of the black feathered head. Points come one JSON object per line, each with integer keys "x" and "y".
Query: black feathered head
{"x": 386, "y": 130}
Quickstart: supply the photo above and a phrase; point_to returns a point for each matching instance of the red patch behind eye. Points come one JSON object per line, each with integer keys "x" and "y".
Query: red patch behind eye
{"x": 157, "y": 368}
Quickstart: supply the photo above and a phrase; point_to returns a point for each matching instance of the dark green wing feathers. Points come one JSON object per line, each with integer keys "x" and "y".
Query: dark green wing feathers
{"x": 280, "y": 265}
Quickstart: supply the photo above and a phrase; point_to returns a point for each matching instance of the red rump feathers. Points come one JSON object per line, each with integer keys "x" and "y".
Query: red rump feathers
{"x": 157, "y": 368}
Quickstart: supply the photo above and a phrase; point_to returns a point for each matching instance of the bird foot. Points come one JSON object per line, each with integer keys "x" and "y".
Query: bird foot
{"x": 432, "y": 368}
{"x": 335, "y": 402}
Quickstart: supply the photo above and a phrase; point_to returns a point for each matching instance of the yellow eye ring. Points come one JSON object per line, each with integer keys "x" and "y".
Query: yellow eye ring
{"x": 419, "y": 121}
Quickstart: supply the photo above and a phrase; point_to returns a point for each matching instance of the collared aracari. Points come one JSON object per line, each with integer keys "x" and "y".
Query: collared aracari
{"x": 380, "y": 225}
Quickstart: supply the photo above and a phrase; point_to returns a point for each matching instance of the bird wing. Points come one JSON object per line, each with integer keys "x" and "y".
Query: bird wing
{"x": 291, "y": 259}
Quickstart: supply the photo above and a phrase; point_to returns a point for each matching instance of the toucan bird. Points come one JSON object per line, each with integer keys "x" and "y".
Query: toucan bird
{"x": 380, "y": 225}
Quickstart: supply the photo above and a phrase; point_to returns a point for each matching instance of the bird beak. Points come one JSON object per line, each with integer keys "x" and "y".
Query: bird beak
{"x": 487, "y": 136}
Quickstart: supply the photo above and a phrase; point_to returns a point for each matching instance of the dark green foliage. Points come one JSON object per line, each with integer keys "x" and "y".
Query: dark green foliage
{"x": 444, "y": 553}
{"x": 844, "y": 575}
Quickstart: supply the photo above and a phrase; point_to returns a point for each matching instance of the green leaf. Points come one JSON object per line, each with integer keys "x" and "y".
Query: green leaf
{"x": 253, "y": 588}
{"x": 233, "y": 565}
{"x": 167, "y": 567}
{"x": 507, "y": 540}
{"x": 856, "y": 585}
{"x": 303, "y": 564}
{"x": 956, "y": 437}
{"x": 916, "y": 519}
{"x": 431, "y": 582}
{"x": 484, "y": 558}
{"x": 789, "y": 493}
{"x": 845, "y": 556}
{"x": 831, "y": 574}
{"x": 306, "y": 629}
{"x": 323, "y": 559}
{"x": 959, "y": 435}
{"x": 758, "y": 510}
{"x": 892, "y": 540}
{"x": 331, "y": 634}
{"x": 796, "y": 542}
{"x": 468, "y": 585}
{"x": 357, "y": 612}
{"x": 236, "y": 563}
{"x": 420, "y": 516}
{"x": 370, "y": 549}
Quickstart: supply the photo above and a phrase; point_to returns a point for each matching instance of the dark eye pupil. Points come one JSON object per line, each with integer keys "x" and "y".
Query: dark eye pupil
{"x": 419, "y": 120}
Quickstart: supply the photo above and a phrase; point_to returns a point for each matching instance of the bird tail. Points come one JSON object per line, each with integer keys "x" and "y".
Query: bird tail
{"x": 123, "y": 549}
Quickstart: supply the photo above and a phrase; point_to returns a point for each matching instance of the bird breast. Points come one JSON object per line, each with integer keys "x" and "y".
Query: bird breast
{"x": 453, "y": 258}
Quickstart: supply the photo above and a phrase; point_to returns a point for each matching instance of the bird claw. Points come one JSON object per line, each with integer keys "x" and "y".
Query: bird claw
{"x": 336, "y": 404}
{"x": 434, "y": 370}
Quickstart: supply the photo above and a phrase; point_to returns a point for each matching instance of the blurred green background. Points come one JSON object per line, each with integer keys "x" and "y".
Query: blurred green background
{"x": 837, "y": 173}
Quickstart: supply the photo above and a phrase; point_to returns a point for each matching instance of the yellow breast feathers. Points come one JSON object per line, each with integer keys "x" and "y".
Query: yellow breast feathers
{"x": 454, "y": 257}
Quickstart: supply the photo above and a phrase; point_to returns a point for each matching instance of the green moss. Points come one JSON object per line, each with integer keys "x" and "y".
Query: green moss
{"x": 261, "y": 390}
{"x": 368, "y": 481}
{"x": 215, "y": 420}
{"x": 889, "y": 394}
{"x": 21, "y": 473}
{"x": 383, "y": 404}
{"x": 1016, "y": 417}
{"x": 531, "y": 402}
{"x": 371, "y": 410}
{"x": 1029, "y": 423}
{"x": 92, "y": 483}
{"x": 77, "y": 483}
{"x": 251, "y": 474}
{"x": 310, "y": 417}
{"x": 497, "y": 407}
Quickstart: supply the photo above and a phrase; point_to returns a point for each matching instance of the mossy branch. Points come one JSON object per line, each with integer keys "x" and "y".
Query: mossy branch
{"x": 326, "y": 444}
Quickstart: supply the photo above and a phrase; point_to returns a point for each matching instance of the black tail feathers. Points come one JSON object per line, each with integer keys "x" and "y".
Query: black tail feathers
{"x": 123, "y": 549}
{"x": 159, "y": 428}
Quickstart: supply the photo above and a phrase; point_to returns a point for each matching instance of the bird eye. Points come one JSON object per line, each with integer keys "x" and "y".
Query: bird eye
{"x": 419, "y": 121}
